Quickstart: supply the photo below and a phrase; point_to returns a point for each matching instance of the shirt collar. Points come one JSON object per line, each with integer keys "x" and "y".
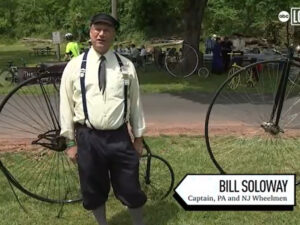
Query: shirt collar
{"x": 96, "y": 55}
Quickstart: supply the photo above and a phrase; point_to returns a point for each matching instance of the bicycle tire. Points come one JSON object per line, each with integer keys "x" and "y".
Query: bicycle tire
{"x": 182, "y": 65}
{"x": 295, "y": 74}
{"x": 160, "y": 181}
{"x": 6, "y": 78}
{"x": 236, "y": 137}
{"x": 37, "y": 163}
{"x": 203, "y": 72}
{"x": 234, "y": 83}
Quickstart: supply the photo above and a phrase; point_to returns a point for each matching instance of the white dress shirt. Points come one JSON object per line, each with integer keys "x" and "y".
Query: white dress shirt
{"x": 105, "y": 111}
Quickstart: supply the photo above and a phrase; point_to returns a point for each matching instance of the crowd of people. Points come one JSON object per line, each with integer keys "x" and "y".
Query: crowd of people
{"x": 221, "y": 49}
{"x": 137, "y": 55}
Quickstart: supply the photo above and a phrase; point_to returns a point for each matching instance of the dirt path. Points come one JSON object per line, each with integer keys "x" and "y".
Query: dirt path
{"x": 173, "y": 114}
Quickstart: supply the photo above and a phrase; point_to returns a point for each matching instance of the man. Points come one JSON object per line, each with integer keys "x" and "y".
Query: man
{"x": 226, "y": 49}
{"x": 72, "y": 48}
{"x": 217, "y": 62}
{"x": 209, "y": 44}
{"x": 99, "y": 93}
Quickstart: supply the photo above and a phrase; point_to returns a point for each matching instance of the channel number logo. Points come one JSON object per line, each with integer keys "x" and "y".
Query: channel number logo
{"x": 284, "y": 16}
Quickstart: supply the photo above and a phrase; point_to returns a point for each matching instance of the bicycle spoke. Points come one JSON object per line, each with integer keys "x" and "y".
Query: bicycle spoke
{"x": 161, "y": 177}
{"x": 238, "y": 124}
{"x": 30, "y": 124}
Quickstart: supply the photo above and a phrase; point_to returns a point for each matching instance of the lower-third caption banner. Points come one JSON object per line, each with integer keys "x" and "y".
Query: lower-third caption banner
{"x": 237, "y": 192}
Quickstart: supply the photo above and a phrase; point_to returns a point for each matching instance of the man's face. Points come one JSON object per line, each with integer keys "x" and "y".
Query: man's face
{"x": 102, "y": 36}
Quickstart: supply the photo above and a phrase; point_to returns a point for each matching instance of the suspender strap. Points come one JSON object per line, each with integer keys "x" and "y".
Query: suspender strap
{"x": 125, "y": 101}
{"x": 126, "y": 84}
{"x": 83, "y": 91}
{"x": 119, "y": 60}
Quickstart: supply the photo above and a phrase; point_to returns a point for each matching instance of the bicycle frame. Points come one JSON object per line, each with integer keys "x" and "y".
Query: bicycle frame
{"x": 279, "y": 98}
{"x": 148, "y": 154}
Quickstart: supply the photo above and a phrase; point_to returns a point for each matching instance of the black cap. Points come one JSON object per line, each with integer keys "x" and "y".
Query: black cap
{"x": 105, "y": 18}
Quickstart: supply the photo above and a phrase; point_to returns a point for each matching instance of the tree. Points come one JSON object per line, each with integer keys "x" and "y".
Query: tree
{"x": 193, "y": 11}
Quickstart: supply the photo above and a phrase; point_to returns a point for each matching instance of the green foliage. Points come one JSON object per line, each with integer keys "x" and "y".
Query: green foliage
{"x": 248, "y": 17}
{"x": 141, "y": 19}
{"x": 158, "y": 14}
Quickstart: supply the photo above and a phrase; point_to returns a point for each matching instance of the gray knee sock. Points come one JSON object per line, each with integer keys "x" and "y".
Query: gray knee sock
{"x": 136, "y": 215}
{"x": 100, "y": 215}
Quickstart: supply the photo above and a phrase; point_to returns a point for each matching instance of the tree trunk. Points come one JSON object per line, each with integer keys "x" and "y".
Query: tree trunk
{"x": 192, "y": 15}
{"x": 296, "y": 35}
{"x": 114, "y": 8}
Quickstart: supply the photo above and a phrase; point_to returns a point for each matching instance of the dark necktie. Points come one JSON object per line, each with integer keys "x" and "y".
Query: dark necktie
{"x": 102, "y": 74}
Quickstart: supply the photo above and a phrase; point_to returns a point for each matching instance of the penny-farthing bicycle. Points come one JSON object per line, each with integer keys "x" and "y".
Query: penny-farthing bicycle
{"x": 37, "y": 163}
{"x": 256, "y": 128}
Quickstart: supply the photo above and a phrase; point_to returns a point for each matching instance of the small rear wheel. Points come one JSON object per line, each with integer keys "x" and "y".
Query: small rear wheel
{"x": 6, "y": 78}
{"x": 203, "y": 72}
{"x": 182, "y": 62}
{"x": 156, "y": 177}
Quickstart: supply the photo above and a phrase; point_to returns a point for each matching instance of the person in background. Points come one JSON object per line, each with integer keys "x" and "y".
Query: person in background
{"x": 238, "y": 43}
{"x": 72, "y": 48}
{"x": 120, "y": 49}
{"x": 127, "y": 51}
{"x": 226, "y": 48}
{"x": 143, "y": 55}
{"x": 209, "y": 44}
{"x": 217, "y": 62}
{"x": 238, "y": 47}
{"x": 134, "y": 54}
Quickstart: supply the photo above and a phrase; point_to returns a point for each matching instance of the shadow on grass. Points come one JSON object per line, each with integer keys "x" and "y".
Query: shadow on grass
{"x": 158, "y": 213}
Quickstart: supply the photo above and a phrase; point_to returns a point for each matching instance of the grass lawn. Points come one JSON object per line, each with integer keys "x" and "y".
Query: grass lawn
{"x": 20, "y": 53}
{"x": 159, "y": 81}
{"x": 186, "y": 155}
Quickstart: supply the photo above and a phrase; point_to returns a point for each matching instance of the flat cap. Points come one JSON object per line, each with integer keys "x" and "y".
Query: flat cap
{"x": 105, "y": 18}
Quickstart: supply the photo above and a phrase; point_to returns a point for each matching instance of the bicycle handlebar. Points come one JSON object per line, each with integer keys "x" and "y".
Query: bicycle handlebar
{"x": 285, "y": 55}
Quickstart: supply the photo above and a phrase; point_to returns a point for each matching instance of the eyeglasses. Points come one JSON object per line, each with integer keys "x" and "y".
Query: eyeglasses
{"x": 97, "y": 29}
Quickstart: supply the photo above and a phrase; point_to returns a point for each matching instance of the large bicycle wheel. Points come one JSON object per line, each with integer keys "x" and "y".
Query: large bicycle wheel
{"x": 295, "y": 75}
{"x": 183, "y": 62}
{"x": 32, "y": 154}
{"x": 156, "y": 177}
{"x": 239, "y": 131}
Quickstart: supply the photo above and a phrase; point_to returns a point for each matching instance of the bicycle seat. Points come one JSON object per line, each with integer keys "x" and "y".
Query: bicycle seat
{"x": 53, "y": 67}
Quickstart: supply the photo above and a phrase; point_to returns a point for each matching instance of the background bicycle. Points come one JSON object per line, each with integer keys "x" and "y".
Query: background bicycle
{"x": 260, "y": 122}
{"x": 249, "y": 77}
{"x": 9, "y": 74}
{"x": 156, "y": 175}
{"x": 246, "y": 78}
{"x": 183, "y": 61}
{"x": 13, "y": 74}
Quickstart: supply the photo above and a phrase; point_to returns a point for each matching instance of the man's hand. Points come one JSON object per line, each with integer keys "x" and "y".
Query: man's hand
{"x": 138, "y": 145}
{"x": 72, "y": 153}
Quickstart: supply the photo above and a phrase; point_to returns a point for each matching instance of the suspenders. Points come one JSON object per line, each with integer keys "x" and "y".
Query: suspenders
{"x": 83, "y": 90}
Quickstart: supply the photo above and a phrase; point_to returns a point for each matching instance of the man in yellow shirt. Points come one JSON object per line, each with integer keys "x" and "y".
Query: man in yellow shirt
{"x": 72, "y": 48}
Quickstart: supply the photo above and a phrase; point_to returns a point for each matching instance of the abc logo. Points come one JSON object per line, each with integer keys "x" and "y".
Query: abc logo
{"x": 283, "y": 16}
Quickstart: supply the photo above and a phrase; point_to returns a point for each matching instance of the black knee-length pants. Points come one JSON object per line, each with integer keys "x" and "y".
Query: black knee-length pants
{"x": 108, "y": 157}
